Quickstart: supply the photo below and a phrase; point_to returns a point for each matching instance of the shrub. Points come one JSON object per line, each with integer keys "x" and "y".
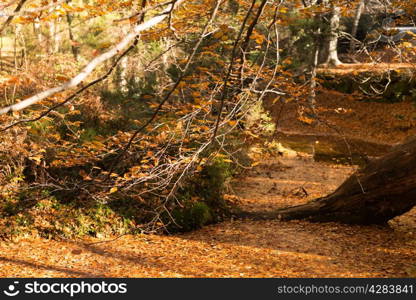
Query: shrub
{"x": 202, "y": 198}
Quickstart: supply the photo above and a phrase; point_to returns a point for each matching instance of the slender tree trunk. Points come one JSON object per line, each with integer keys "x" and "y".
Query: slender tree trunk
{"x": 125, "y": 61}
{"x": 276, "y": 31}
{"x": 312, "y": 84}
{"x": 58, "y": 37}
{"x": 313, "y": 65}
{"x": 332, "y": 59}
{"x": 74, "y": 47}
{"x": 16, "y": 45}
{"x": 123, "y": 67}
{"x": 37, "y": 30}
{"x": 51, "y": 37}
{"x": 355, "y": 24}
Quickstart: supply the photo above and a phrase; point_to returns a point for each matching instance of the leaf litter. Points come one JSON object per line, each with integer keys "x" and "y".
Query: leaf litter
{"x": 237, "y": 248}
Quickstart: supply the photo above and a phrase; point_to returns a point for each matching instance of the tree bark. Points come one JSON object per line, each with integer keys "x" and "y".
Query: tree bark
{"x": 332, "y": 59}
{"x": 355, "y": 24}
{"x": 313, "y": 66}
{"x": 54, "y": 36}
{"x": 37, "y": 30}
{"x": 74, "y": 46}
{"x": 382, "y": 190}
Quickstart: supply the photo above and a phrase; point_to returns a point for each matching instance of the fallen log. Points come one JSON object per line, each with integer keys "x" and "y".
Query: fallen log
{"x": 383, "y": 189}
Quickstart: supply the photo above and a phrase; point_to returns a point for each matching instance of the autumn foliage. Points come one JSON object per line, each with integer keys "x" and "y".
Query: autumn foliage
{"x": 143, "y": 110}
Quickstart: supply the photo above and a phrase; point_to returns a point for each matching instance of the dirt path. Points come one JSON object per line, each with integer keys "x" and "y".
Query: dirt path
{"x": 240, "y": 248}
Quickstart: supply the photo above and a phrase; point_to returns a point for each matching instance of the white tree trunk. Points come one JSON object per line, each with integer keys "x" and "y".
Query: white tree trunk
{"x": 123, "y": 67}
{"x": 38, "y": 31}
{"x": 333, "y": 59}
{"x": 55, "y": 37}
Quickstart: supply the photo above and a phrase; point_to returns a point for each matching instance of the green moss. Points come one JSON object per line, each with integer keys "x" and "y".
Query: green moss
{"x": 191, "y": 217}
{"x": 202, "y": 199}
{"x": 88, "y": 134}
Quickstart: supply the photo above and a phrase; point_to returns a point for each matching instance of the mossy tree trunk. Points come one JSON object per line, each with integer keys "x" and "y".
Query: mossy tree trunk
{"x": 382, "y": 190}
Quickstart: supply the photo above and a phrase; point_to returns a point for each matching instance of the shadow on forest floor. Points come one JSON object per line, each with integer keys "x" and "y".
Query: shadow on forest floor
{"x": 240, "y": 248}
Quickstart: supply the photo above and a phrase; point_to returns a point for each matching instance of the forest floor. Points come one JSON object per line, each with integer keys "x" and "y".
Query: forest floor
{"x": 245, "y": 248}
{"x": 348, "y": 115}
{"x": 241, "y": 248}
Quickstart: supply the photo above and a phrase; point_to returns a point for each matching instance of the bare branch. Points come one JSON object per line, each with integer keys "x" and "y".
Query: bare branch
{"x": 10, "y": 18}
{"x": 90, "y": 67}
{"x": 18, "y": 12}
{"x": 78, "y": 92}
{"x": 166, "y": 98}
{"x": 230, "y": 69}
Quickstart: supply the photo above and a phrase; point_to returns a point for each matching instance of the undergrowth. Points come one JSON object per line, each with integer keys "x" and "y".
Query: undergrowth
{"x": 51, "y": 214}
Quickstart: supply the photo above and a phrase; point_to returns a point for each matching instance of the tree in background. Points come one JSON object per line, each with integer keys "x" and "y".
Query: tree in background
{"x": 142, "y": 103}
